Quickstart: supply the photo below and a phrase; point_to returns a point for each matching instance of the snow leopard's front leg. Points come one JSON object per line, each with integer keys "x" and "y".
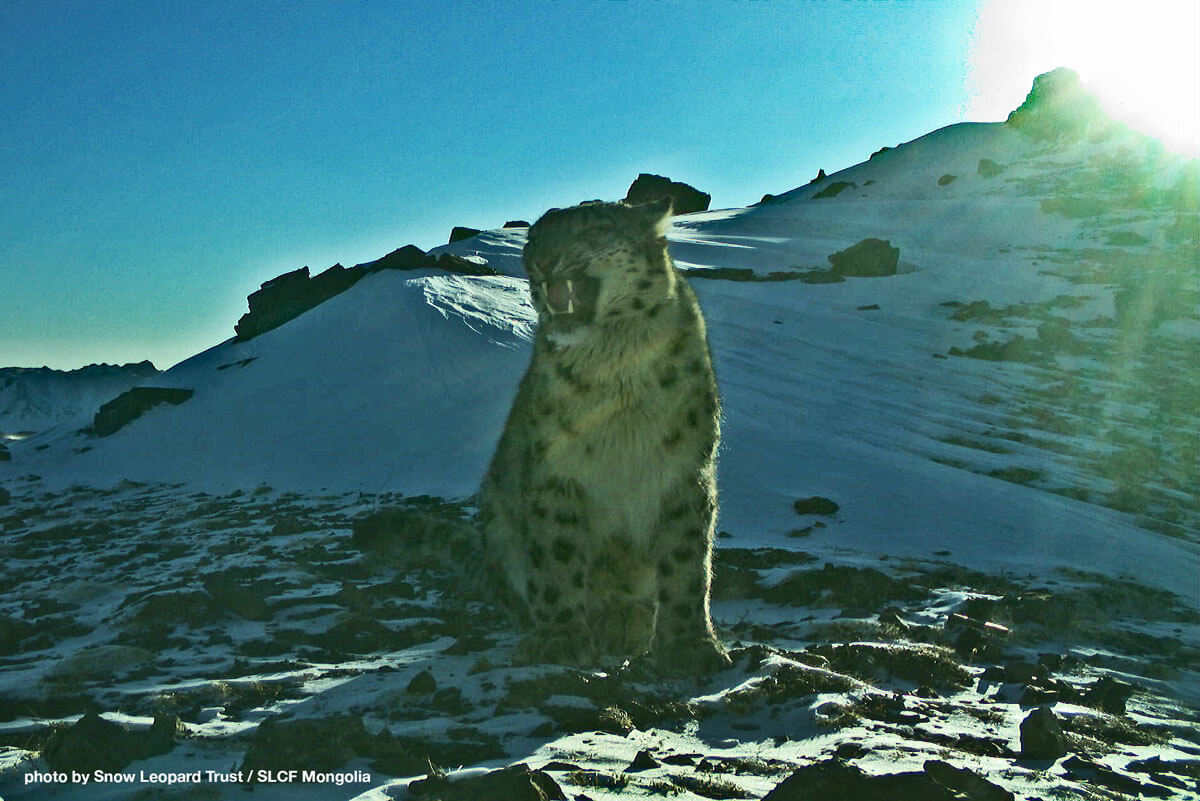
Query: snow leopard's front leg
{"x": 556, "y": 590}
{"x": 684, "y": 637}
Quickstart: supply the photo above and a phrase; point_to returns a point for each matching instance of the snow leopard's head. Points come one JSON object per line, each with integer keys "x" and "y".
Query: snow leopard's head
{"x": 598, "y": 263}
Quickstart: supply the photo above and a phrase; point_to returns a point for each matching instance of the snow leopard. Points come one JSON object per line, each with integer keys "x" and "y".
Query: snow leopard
{"x": 599, "y": 504}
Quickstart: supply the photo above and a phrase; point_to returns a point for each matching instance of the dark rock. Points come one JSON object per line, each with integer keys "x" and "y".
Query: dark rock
{"x": 643, "y": 761}
{"x": 516, "y": 224}
{"x": 947, "y": 179}
{"x": 514, "y": 783}
{"x": 12, "y": 631}
{"x": 460, "y": 232}
{"x": 287, "y": 296}
{"x": 975, "y": 787}
{"x": 989, "y": 169}
{"x": 129, "y": 406}
{"x": 833, "y": 779}
{"x": 5, "y": 495}
{"x": 767, "y": 198}
{"x": 241, "y": 601}
{"x": 1089, "y": 771}
{"x": 456, "y": 264}
{"x": 409, "y": 257}
{"x": 93, "y": 743}
{"x": 846, "y": 751}
{"x": 5, "y": 456}
{"x": 815, "y": 505}
{"x": 1041, "y": 735}
{"x": 1109, "y": 695}
{"x": 321, "y": 745}
{"x": 820, "y": 177}
{"x": 868, "y": 258}
{"x": 1058, "y": 109}
{"x": 834, "y": 189}
{"x": 879, "y": 152}
{"x": 685, "y": 199}
{"x": 422, "y": 684}
{"x": 1023, "y": 672}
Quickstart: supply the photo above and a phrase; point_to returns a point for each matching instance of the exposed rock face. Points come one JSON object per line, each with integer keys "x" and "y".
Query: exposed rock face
{"x": 287, "y": 296}
{"x": 1058, "y": 109}
{"x": 516, "y": 224}
{"x": 129, "y": 406}
{"x": 685, "y": 199}
{"x": 5, "y": 456}
{"x": 460, "y": 232}
{"x": 290, "y": 295}
{"x": 869, "y": 258}
{"x": 409, "y": 257}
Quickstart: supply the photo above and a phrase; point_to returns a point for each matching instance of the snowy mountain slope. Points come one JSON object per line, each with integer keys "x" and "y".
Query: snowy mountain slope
{"x": 34, "y": 399}
{"x": 1004, "y": 426}
{"x": 402, "y": 383}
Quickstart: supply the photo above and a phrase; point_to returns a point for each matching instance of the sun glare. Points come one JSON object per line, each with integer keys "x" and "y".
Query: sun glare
{"x": 1142, "y": 60}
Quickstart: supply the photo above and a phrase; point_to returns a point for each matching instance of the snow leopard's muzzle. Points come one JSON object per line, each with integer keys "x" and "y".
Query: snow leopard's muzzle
{"x": 571, "y": 298}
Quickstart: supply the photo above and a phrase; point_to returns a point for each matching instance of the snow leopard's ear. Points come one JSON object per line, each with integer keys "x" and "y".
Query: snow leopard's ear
{"x": 656, "y": 215}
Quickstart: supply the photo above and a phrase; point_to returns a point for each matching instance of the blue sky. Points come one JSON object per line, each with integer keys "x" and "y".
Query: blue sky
{"x": 161, "y": 160}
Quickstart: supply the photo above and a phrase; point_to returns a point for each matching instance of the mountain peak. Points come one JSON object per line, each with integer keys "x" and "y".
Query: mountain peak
{"x": 1058, "y": 108}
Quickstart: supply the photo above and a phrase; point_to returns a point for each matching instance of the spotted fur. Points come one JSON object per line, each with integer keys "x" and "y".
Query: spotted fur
{"x": 599, "y": 504}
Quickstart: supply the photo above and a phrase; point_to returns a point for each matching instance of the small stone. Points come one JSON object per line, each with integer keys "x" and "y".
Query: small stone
{"x": 643, "y": 761}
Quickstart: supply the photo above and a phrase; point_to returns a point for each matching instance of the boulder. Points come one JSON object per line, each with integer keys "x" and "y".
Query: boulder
{"x": 314, "y": 744}
{"x": 685, "y": 199}
{"x": 129, "y": 406}
{"x": 834, "y": 779}
{"x": 869, "y": 258}
{"x": 1042, "y": 736}
{"x": 93, "y": 743}
{"x": 514, "y": 783}
{"x": 459, "y": 232}
{"x": 989, "y": 169}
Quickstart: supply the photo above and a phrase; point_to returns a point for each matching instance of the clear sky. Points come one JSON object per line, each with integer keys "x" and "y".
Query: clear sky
{"x": 158, "y": 161}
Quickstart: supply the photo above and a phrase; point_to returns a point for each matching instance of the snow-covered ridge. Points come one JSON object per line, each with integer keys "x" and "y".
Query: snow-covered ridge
{"x": 36, "y": 398}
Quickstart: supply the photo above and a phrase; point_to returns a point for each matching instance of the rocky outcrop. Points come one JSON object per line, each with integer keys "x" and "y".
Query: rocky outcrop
{"x": 129, "y": 406}
{"x": 287, "y": 296}
{"x": 870, "y": 258}
{"x": 516, "y": 224}
{"x": 685, "y": 199}
{"x": 460, "y": 232}
{"x": 1058, "y": 109}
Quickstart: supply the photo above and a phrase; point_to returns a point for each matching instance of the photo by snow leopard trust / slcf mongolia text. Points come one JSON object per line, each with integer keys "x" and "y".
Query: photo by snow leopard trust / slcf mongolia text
{"x": 599, "y": 504}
